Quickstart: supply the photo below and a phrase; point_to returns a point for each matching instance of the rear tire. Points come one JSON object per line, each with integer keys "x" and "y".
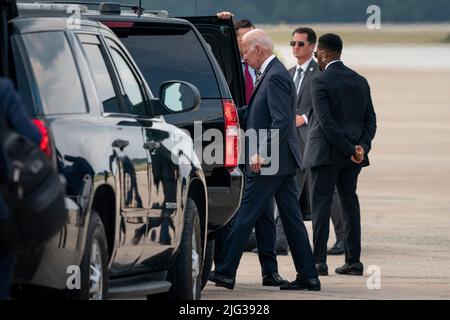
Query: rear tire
{"x": 94, "y": 266}
{"x": 186, "y": 272}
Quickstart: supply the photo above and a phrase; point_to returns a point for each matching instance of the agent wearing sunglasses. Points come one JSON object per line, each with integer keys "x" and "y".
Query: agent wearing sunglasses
{"x": 303, "y": 44}
{"x": 340, "y": 137}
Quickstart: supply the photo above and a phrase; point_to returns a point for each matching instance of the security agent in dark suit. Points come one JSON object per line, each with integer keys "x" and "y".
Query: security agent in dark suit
{"x": 341, "y": 131}
{"x": 303, "y": 44}
{"x": 11, "y": 109}
{"x": 272, "y": 107}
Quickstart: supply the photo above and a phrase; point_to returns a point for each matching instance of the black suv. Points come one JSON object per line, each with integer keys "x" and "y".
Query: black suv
{"x": 204, "y": 52}
{"x": 136, "y": 193}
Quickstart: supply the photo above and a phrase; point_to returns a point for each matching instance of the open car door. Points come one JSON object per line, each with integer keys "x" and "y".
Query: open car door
{"x": 221, "y": 37}
{"x": 8, "y": 11}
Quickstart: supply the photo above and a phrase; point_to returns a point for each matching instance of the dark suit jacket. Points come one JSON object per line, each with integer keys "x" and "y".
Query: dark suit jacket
{"x": 304, "y": 98}
{"x": 343, "y": 116}
{"x": 12, "y": 111}
{"x": 272, "y": 106}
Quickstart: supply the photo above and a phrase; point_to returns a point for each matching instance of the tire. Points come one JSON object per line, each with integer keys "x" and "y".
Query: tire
{"x": 94, "y": 265}
{"x": 207, "y": 265}
{"x": 186, "y": 271}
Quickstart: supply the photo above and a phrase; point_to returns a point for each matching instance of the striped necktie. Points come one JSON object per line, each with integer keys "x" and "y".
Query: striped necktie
{"x": 298, "y": 77}
{"x": 258, "y": 77}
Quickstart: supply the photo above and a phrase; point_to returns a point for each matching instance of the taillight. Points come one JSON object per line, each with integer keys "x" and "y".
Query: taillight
{"x": 45, "y": 139}
{"x": 231, "y": 134}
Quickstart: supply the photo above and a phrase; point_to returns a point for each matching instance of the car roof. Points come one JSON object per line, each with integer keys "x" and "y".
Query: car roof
{"x": 130, "y": 16}
{"x": 37, "y": 24}
{"x": 59, "y": 9}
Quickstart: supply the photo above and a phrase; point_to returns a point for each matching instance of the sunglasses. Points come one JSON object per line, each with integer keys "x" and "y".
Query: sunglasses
{"x": 299, "y": 43}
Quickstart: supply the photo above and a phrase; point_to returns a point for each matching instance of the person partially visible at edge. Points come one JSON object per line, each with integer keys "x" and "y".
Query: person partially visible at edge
{"x": 242, "y": 27}
{"x": 13, "y": 112}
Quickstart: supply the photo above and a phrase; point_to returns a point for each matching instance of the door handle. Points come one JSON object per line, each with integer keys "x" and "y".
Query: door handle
{"x": 121, "y": 144}
{"x": 152, "y": 145}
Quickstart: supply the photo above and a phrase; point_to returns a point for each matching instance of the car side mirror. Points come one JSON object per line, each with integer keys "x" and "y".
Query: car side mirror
{"x": 179, "y": 96}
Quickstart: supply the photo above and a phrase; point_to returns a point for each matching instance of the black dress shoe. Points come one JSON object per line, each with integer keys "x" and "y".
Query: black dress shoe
{"x": 299, "y": 284}
{"x": 322, "y": 269}
{"x": 337, "y": 249}
{"x": 273, "y": 279}
{"x": 355, "y": 269}
{"x": 221, "y": 280}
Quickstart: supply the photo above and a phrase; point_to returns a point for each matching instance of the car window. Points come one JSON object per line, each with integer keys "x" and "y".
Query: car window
{"x": 164, "y": 54}
{"x": 100, "y": 73}
{"x": 55, "y": 73}
{"x": 22, "y": 80}
{"x": 133, "y": 97}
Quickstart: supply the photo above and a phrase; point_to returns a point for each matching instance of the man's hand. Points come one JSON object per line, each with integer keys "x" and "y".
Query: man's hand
{"x": 225, "y": 15}
{"x": 299, "y": 121}
{"x": 358, "y": 157}
{"x": 256, "y": 163}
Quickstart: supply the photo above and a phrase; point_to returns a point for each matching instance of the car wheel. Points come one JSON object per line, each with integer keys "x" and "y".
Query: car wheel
{"x": 186, "y": 272}
{"x": 207, "y": 265}
{"x": 94, "y": 265}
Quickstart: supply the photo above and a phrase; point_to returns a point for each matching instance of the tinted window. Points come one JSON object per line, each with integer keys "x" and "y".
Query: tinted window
{"x": 55, "y": 73}
{"x": 132, "y": 88}
{"x": 172, "y": 55}
{"x": 23, "y": 85}
{"x": 102, "y": 78}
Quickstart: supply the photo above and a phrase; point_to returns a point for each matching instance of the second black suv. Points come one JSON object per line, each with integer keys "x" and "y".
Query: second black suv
{"x": 204, "y": 52}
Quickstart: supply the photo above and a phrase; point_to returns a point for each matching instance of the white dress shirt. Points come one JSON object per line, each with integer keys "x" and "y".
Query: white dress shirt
{"x": 329, "y": 64}
{"x": 304, "y": 67}
{"x": 265, "y": 64}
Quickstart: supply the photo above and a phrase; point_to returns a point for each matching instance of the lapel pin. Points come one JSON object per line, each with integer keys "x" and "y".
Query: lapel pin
{"x": 311, "y": 69}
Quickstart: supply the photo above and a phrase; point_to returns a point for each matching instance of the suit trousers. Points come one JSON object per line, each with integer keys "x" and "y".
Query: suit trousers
{"x": 265, "y": 232}
{"x": 303, "y": 181}
{"x": 303, "y": 191}
{"x": 257, "y": 189}
{"x": 336, "y": 217}
{"x": 324, "y": 181}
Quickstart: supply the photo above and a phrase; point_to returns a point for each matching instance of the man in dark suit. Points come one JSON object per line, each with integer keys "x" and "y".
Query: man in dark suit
{"x": 271, "y": 108}
{"x": 303, "y": 44}
{"x": 265, "y": 228}
{"x": 14, "y": 115}
{"x": 342, "y": 127}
